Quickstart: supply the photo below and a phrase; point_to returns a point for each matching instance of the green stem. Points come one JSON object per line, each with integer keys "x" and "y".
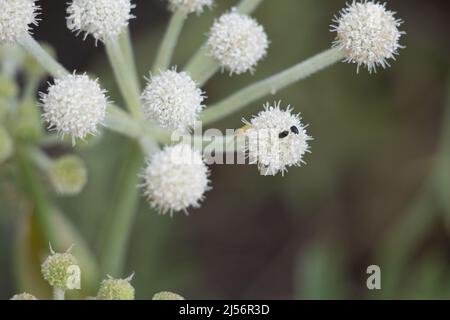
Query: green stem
{"x": 58, "y": 294}
{"x": 248, "y": 6}
{"x": 124, "y": 76}
{"x": 44, "y": 59}
{"x": 169, "y": 41}
{"x": 122, "y": 214}
{"x": 42, "y": 207}
{"x": 271, "y": 85}
{"x": 127, "y": 48}
{"x": 202, "y": 67}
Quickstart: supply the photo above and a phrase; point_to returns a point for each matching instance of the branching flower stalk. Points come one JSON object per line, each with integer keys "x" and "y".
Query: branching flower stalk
{"x": 169, "y": 41}
{"x": 271, "y": 85}
{"x": 366, "y": 34}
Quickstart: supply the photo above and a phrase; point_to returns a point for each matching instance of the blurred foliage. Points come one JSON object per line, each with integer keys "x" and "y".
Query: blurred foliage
{"x": 375, "y": 189}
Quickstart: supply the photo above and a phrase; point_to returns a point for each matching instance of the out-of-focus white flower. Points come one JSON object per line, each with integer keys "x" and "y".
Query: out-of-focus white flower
{"x": 276, "y": 139}
{"x": 190, "y": 6}
{"x": 102, "y": 19}
{"x": 16, "y": 17}
{"x": 368, "y": 34}
{"x": 68, "y": 175}
{"x": 238, "y": 42}
{"x": 74, "y": 105}
{"x": 175, "y": 179}
{"x": 173, "y": 100}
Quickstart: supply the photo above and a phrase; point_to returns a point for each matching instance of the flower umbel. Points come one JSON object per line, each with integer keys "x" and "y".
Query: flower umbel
{"x": 173, "y": 100}
{"x": 74, "y": 105}
{"x": 175, "y": 179}
{"x": 276, "y": 139}
{"x": 368, "y": 33}
{"x": 190, "y": 6}
{"x": 238, "y": 42}
{"x": 102, "y": 19}
{"x": 16, "y": 17}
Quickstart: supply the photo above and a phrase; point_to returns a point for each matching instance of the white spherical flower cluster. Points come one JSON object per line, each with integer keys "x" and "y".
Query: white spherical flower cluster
{"x": 173, "y": 100}
{"x": 190, "y": 6}
{"x": 238, "y": 42}
{"x": 175, "y": 179}
{"x": 16, "y": 16}
{"x": 74, "y": 105}
{"x": 102, "y": 19}
{"x": 368, "y": 34}
{"x": 276, "y": 139}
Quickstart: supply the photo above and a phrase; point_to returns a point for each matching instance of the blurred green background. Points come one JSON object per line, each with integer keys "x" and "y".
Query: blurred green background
{"x": 375, "y": 190}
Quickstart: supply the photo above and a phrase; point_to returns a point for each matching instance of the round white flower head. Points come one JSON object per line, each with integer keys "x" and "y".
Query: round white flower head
{"x": 23, "y": 296}
{"x": 74, "y": 105}
{"x": 276, "y": 139}
{"x": 173, "y": 100}
{"x": 368, "y": 33}
{"x": 190, "y": 6}
{"x": 16, "y": 16}
{"x": 176, "y": 178}
{"x": 238, "y": 42}
{"x": 100, "y": 18}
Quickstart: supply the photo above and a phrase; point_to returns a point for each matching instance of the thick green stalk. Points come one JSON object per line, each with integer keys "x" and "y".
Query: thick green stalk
{"x": 202, "y": 67}
{"x": 124, "y": 76}
{"x": 44, "y": 59}
{"x": 122, "y": 213}
{"x": 271, "y": 85}
{"x": 42, "y": 207}
{"x": 169, "y": 41}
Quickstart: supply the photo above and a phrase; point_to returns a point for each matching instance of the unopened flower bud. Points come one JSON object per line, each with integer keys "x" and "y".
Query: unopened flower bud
{"x": 68, "y": 175}
{"x": 166, "y": 295}
{"x": 116, "y": 289}
{"x": 57, "y": 269}
{"x": 23, "y": 296}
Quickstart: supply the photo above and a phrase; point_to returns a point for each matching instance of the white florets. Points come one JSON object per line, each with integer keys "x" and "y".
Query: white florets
{"x": 74, "y": 105}
{"x": 175, "y": 179}
{"x": 100, "y": 18}
{"x": 238, "y": 42}
{"x": 16, "y": 16}
{"x": 173, "y": 100}
{"x": 276, "y": 139}
{"x": 190, "y": 6}
{"x": 368, "y": 33}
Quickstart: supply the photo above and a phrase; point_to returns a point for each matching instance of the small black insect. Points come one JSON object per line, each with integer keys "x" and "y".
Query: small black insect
{"x": 294, "y": 129}
{"x": 283, "y": 134}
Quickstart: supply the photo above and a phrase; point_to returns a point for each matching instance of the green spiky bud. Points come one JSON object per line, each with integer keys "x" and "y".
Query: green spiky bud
{"x": 68, "y": 175}
{"x": 61, "y": 270}
{"x": 23, "y": 296}
{"x": 116, "y": 289}
{"x": 167, "y": 295}
{"x": 6, "y": 145}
